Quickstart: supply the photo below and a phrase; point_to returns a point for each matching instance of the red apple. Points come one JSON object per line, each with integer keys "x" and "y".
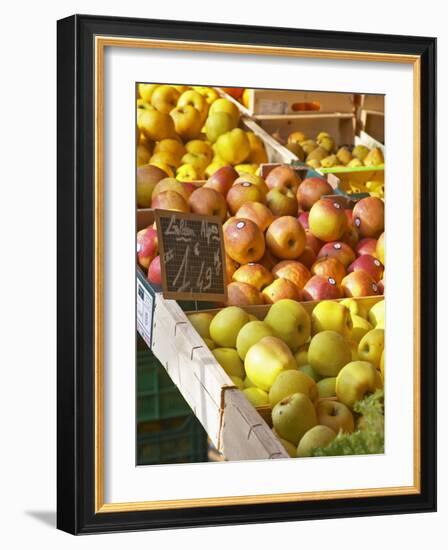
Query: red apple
{"x": 242, "y": 294}
{"x": 366, "y": 246}
{"x": 283, "y": 176}
{"x": 170, "y": 200}
{"x": 282, "y": 202}
{"x": 154, "y": 272}
{"x": 321, "y": 288}
{"x": 253, "y": 274}
{"x": 147, "y": 245}
{"x": 368, "y": 263}
{"x": 327, "y": 220}
{"x": 339, "y": 250}
{"x": 231, "y": 267}
{"x": 285, "y": 238}
{"x": 313, "y": 242}
{"x": 308, "y": 257}
{"x": 368, "y": 217}
{"x": 258, "y": 213}
{"x": 208, "y": 202}
{"x": 359, "y": 283}
{"x": 243, "y": 240}
{"x": 381, "y": 286}
{"x": 268, "y": 260}
{"x": 222, "y": 179}
{"x": 329, "y": 267}
{"x": 311, "y": 190}
{"x": 379, "y": 250}
{"x": 243, "y": 192}
{"x": 350, "y": 236}
{"x": 303, "y": 219}
{"x": 280, "y": 289}
{"x": 294, "y": 271}
{"x": 349, "y": 214}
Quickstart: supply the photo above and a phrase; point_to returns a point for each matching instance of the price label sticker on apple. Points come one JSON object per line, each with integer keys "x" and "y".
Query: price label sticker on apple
{"x": 192, "y": 256}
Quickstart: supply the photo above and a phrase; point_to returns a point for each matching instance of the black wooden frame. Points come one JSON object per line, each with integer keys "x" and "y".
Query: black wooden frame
{"x": 75, "y": 172}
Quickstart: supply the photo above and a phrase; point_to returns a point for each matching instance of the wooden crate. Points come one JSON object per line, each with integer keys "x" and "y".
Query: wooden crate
{"x": 372, "y": 122}
{"x": 372, "y": 102}
{"x": 282, "y": 102}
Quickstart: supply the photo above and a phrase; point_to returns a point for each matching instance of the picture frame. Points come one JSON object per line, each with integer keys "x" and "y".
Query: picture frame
{"x": 82, "y": 40}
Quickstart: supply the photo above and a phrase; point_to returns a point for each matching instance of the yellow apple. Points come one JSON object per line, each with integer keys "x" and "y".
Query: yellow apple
{"x": 292, "y": 381}
{"x": 266, "y": 359}
{"x": 356, "y": 380}
{"x": 230, "y": 361}
{"x": 290, "y": 321}
{"x": 199, "y": 147}
{"x": 226, "y": 325}
{"x": 327, "y": 387}
{"x": 329, "y": 315}
{"x": 191, "y": 98}
{"x": 165, "y": 157}
{"x": 201, "y": 323}
{"x": 289, "y": 447}
{"x": 187, "y": 121}
{"x": 186, "y": 172}
{"x": 371, "y": 347}
{"x": 223, "y": 105}
{"x": 293, "y": 416}
{"x": 360, "y": 327}
{"x": 164, "y": 98}
{"x": 217, "y": 124}
{"x": 377, "y": 314}
{"x": 335, "y": 415}
{"x": 233, "y": 146}
{"x": 308, "y": 369}
{"x": 199, "y": 161}
{"x": 356, "y": 307}
{"x": 301, "y": 356}
{"x": 146, "y": 90}
{"x": 155, "y": 125}
{"x": 328, "y": 353}
{"x": 256, "y": 396}
{"x": 251, "y": 333}
{"x": 318, "y": 436}
{"x": 210, "y": 94}
{"x": 209, "y": 343}
{"x": 238, "y": 382}
{"x": 170, "y": 145}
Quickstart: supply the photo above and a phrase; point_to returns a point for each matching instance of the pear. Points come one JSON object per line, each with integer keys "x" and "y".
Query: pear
{"x": 290, "y": 322}
{"x": 360, "y": 152}
{"x": 308, "y": 369}
{"x": 308, "y": 146}
{"x": 329, "y": 315}
{"x": 293, "y": 416}
{"x": 297, "y": 150}
{"x": 374, "y": 157}
{"x": 318, "y": 436}
{"x": 326, "y": 143}
{"x": 344, "y": 155}
{"x": 327, "y": 387}
{"x": 314, "y": 163}
{"x": 330, "y": 161}
{"x": 291, "y": 381}
{"x": 226, "y": 325}
{"x": 230, "y": 361}
{"x": 355, "y": 163}
{"x": 250, "y": 334}
{"x": 321, "y": 135}
{"x": 317, "y": 154}
{"x": 257, "y": 397}
{"x": 329, "y": 352}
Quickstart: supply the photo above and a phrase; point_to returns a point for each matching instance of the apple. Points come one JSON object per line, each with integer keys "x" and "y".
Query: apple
{"x": 379, "y": 250}
{"x": 165, "y": 157}
{"x": 291, "y": 381}
{"x": 303, "y": 219}
{"x": 253, "y": 274}
{"x": 329, "y": 267}
{"x": 226, "y": 324}
{"x": 171, "y": 145}
{"x": 327, "y": 220}
{"x": 268, "y": 260}
{"x": 356, "y": 307}
{"x": 293, "y": 416}
{"x": 218, "y": 124}
{"x": 254, "y": 179}
{"x": 285, "y": 238}
{"x": 301, "y": 355}
{"x": 233, "y": 147}
{"x": 356, "y": 380}
{"x": 290, "y": 322}
{"x": 308, "y": 257}
{"x": 366, "y": 246}
{"x": 381, "y": 287}
{"x": 360, "y": 327}
{"x": 145, "y": 91}
{"x": 294, "y": 271}
{"x": 147, "y": 245}
{"x": 201, "y": 323}
{"x": 308, "y": 369}
{"x": 313, "y": 242}
{"x": 329, "y": 315}
{"x": 200, "y": 147}
{"x": 368, "y": 217}
{"x": 350, "y": 236}
{"x": 222, "y": 179}
{"x": 289, "y": 447}
{"x": 282, "y": 202}
{"x": 296, "y": 137}
{"x": 328, "y": 352}
{"x": 210, "y": 94}
{"x": 258, "y": 213}
{"x": 256, "y": 396}
{"x": 321, "y": 288}
{"x": 209, "y": 343}
{"x": 266, "y": 359}
{"x": 339, "y": 250}
{"x": 377, "y": 313}
{"x": 187, "y": 121}
{"x": 280, "y": 289}
{"x": 284, "y": 177}
{"x": 369, "y": 264}
{"x": 311, "y": 190}
{"x": 155, "y": 125}
{"x": 155, "y": 271}
{"x": 230, "y": 361}
{"x": 243, "y": 240}
{"x": 316, "y": 437}
{"x": 250, "y": 334}
{"x": 208, "y": 202}
{"x": 170, "y": 200}
{"x": 335, "y": 415}
{"x": 359, "y": 283}
{"x": 225, "y": 106}
{"x": 196, "y": 100}
{"x": 241, "y": 193}
{"x": 187, "y": 172}
{"x": 171, "y": 184}
{"x": 258, "y": 153}
{"x": 164, "y": 98}
{"x": 371, "y": 347}
{"x": 148, "y": 177}
{"x": 326, "y": 387}
{"x": 242, "y": 294}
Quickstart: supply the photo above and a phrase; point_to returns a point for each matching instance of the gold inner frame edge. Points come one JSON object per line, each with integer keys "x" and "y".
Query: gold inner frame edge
{"x": 101, "y": 42}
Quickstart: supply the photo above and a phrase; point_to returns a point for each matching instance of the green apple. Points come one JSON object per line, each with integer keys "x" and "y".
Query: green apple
{"x": 250, "y": 334}
{"x": 226, "y": 325}
{"x": 328, "y": 353}
{"x": 257, "y": 397}
{"x": 230, "y": 361}
{"x": 290, "y": 322}
{"x": 356, "y": 380}
{"x": 318, "y": 436}
{"x": 301, "y": 356}
{"x": 292, "y": 381}
{"x": 335, "y": 415}
{"x": 266, "y": 359}
{"x": 293, "y": 416}
{"x": 201, "y": 322}
{"x": 308, "y": 369}
{"x": 329, "y": 315}
{"x": 360, "y": 327}
{"x": 371, "y": 347}
{"x": 327, "y": 387}
{"x": 376, "y": 314}
{"x": 238, "y": 382}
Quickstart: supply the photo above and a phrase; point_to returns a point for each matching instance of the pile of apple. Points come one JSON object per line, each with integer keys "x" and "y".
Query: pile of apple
{"x": 189, "y": 133}
{"x": 310, "y": 370}
{"x": 283, "y": 237}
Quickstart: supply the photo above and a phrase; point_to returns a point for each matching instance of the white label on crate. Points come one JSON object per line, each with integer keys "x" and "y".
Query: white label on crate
{"x": 268, "y": 107}
{"x": 144, "y": 313}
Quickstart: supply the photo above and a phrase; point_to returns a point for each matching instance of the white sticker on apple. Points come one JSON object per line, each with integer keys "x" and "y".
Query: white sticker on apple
{"x": 337, "y": 246}
{"x": 331, "y": 281}
{"x": 246, "y": 184}
{"x": 377, "y": 262}
{"x": 240, "y": 225}
{"x": 336, "y": 205}
{"x": 375, "y": 287}
{"x": 357, "y": 222}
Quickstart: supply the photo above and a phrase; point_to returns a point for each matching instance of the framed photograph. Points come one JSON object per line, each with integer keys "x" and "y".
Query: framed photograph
{"x": 246, "y": 274}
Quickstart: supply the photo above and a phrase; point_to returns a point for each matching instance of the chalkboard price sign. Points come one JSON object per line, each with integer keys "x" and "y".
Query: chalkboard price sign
{"x": 192, "y": 256}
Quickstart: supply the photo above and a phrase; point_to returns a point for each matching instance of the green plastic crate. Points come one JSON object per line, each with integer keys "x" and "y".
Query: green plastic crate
{"x": 175, "y": 441}
{"x": 157, "y": 396}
